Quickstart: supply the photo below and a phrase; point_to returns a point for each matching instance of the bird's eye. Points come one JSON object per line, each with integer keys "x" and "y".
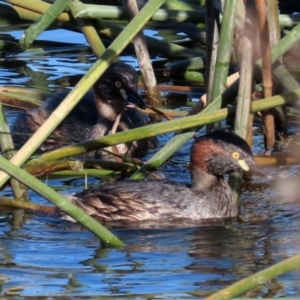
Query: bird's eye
{"x": 235, "y": 155}
{"x": 118, "y": 84}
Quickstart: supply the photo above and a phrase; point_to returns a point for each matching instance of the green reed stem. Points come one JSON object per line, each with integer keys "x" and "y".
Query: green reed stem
{"x": 178, "y": 140}
{"x": 189, "y": 64}
{"x": 161, "y": 46}
{"x": 286, "y": 79}
{"x": 38, "y": 167}
{"x": 89, "y": 32}
{"x": 284, "y": 44}
{"x": 21, "y": 99}
{"x": 7, "y": 202}
{"x": 178, "y": 12}
{"x": 7, "y": 149}
{"x": 61, "y": 202}
{"x": 181, "y": 5}
{"x": 289, "y": 20}
{"x": 206, "y": 117}
{"x": 35, "y": 6}
{"x": 212, "y": 24}
{"x": 34, "y": 30}
{"x": 195, "y": 77}
{"x": 224, "y": 50}
{"x": 257, "y": 279}
{"x": 90, "y": 11}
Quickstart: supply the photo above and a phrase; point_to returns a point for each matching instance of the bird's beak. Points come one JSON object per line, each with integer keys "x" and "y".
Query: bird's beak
{"x": 244, "y": 166}
{"x": 131, "y": 96}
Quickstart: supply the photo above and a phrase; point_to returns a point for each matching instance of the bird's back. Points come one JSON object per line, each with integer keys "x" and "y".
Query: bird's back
{"x": 83, "y": 123}
{"x": 155, "y": 200}
{"x": 77, "y": 126}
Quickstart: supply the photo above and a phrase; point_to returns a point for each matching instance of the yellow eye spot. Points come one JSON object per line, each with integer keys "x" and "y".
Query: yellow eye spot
{"x": 118, "y": 84}
{"x": 235, "y": 155}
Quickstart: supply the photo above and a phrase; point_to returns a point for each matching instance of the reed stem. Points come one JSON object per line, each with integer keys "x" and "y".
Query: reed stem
{"x": 61, "y": 202}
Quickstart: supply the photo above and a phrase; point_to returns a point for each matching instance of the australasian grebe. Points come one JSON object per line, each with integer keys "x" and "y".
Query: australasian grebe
{"x": 210, "y": 196}
{"x": 93, "y": 116}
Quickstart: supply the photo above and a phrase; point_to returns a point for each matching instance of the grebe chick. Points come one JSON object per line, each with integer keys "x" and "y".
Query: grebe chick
{"x": 209, "y": 197}
{"x": 93, "y": 116}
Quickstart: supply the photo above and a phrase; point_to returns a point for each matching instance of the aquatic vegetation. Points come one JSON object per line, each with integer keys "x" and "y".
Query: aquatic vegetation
{"x": 192, "y": 60}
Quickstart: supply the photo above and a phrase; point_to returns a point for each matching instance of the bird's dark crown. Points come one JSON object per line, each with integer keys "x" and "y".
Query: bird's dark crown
{"x": 108, "y": 87}
{"x": 118, "y": 86}
{"x": 220, "y": 152}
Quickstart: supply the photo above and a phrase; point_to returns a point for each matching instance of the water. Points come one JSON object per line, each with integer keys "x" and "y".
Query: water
{"x": 44, "y": 256}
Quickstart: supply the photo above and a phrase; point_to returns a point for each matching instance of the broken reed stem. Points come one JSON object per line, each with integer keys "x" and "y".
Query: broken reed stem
{"x": 143, "y": 56}
{"x": 268, "y": 115}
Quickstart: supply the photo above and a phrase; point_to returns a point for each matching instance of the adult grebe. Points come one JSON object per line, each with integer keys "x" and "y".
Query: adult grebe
{"x": 209, "y": 197}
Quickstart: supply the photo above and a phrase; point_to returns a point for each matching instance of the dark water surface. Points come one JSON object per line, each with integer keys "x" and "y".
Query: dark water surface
{"x": 44, "y": 256}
